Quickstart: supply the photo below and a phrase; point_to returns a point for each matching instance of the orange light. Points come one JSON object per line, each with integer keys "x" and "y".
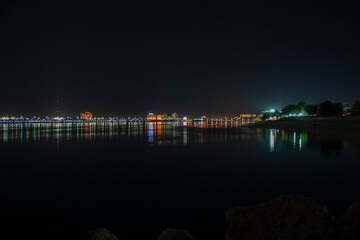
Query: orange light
{"x": 86, "y": 115}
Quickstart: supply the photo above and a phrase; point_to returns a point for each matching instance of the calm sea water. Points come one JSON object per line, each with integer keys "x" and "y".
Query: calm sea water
{"x": 59, "y": 181}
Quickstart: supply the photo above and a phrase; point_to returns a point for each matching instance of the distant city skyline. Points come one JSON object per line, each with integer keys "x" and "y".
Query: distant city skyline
{"x": 300, "y": 106}
{"x": 148, "y": 116}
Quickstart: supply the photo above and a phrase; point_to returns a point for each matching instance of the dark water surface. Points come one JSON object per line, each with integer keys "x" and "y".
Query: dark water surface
{"x": 58, "y": 181}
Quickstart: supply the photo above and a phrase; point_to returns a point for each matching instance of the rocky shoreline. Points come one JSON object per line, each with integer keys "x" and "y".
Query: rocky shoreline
{"x": 286, "y": 217}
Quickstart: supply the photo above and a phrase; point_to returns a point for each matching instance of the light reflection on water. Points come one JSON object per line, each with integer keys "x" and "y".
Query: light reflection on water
{"x": 158, "y": 133}
{"x": 293, "y": 139}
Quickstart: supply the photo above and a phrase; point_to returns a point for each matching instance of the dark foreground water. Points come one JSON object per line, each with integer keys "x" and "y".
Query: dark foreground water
{"x": 60, "y": 181}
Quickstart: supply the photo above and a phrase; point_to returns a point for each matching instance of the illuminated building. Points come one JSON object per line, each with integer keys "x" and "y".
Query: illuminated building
{"x": 165, "y": 116}
{"x": 151, "y": 117}
{"x": 203, "y": 118}
{"x": 247, "y": 115}
{"x": 156, "y": 117}
{"x": 175, "y": 116}
{"x": 86, "y": 116}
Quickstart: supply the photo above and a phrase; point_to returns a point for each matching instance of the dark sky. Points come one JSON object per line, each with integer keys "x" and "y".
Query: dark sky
{"x": 193, "y": 58}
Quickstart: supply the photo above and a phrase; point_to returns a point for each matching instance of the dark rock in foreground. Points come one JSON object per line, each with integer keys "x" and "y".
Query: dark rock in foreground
{"x": 291, "y": 217}
{"x": 350, "y": 223}
{"x": 102, "y": 234}
{"x": 286, "y": 217}
{"x": 174, "y": 234}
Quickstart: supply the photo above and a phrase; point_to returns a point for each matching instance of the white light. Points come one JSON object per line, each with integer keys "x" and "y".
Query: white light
{"x": 272, "y": 110}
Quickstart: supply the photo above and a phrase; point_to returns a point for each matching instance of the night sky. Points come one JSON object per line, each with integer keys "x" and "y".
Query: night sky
{"x": 216, "y": 59}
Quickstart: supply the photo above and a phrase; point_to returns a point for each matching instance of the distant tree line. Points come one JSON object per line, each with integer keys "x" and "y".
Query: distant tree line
{"x": 324, "y": 109}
